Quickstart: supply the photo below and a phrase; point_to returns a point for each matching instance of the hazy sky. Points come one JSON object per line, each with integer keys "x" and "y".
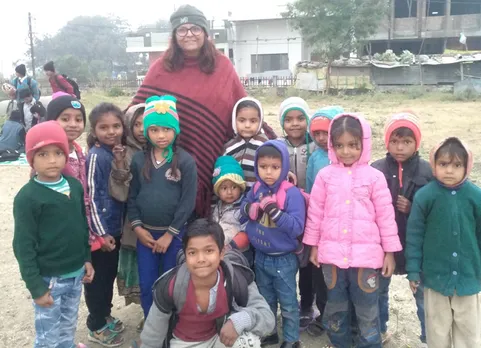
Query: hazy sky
{"x": 51, "y": 15}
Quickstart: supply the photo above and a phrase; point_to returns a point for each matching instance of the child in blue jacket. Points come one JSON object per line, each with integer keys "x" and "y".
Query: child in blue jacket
{"x": 273, "y": 231}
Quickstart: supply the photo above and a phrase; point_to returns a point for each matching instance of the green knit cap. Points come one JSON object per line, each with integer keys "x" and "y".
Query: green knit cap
{"x": 227, "y": 168}
{"x": 162, "y": 112}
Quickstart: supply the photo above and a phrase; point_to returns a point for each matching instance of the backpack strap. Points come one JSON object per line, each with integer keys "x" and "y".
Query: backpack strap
{"x": 256, "y": 187}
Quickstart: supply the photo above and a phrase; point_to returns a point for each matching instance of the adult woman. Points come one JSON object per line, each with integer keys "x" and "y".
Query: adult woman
{"x": 206, "y": 87}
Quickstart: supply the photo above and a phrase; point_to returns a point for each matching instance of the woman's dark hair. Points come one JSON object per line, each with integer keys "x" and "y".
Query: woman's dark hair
{"x": 135, "y": 116}
{"x": 248, "y": 104}
{"x": 148, "y": 165}
{"x": 346, "y": 124}
{"x": 403, "y": 132}
{"x": 204, "y": 227}
{"x": 95, "y": 115}
{"x": 453, "y": 148}
{"x": 49, "y": 66}
{"x": 173, "y": 57}
{"x": 268, "y": 151}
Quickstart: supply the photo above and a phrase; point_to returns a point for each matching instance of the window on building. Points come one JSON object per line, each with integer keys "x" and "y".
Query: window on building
{"x": 405, "y": 8}
{"x": 269, "y": 62}
{"x": 462, "y": 7}
{"x": 435, "y": 8}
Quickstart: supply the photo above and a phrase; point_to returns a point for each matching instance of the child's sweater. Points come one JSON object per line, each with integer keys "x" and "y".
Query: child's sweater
{"x": 164, "y": 201}
{"x": 298, "y": 158}
{"x": 229, "y": 217}
{"x": 105, "y": 211}
{"x": 51, "y": 235}
{"x": 350, "y": 217}
{"x": 444, "y": 239}
{"x": 276, "y": 234}
{"x": 415, "y": 173}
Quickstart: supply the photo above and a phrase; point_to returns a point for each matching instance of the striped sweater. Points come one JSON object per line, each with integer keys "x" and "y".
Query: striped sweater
{"x": 204, "y": 105}
{"x": 244, "y": 151}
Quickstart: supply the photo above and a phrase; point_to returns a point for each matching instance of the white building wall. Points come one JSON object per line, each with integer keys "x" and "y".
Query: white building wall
{"x": 274, "y": 37}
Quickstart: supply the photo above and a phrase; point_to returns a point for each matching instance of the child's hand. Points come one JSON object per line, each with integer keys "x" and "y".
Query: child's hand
{"x": 109, "y": 243}
{"x": 163, "y": 243}
{"x": 313, "y": 257}
{"x": 46, "y": 300}
{"x": 268, "y": 203}
{"x": 89, "y": 273}
{"x": 119, "y": 154}
{"x": 228, "y": 334}
{"x": 292, "y": 178}
{"x": 144, "y": 237}
{"x": 389, "y": 265}
{"x": 254, "y": 211}
{"x": 414, "y": 286}
{"x": 403, "y": 204}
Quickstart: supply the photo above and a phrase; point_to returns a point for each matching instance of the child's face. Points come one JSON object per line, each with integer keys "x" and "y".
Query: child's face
{"x": 450, "y": 171}
{"x": 229, "y": 192}
{"x": 295, "y": 125}
{"x": 269, "y": 169}
{"x": 72, "y": 122}
{"x": 348, "y": 149}
{"x": 202, "y": 256}
{"x": 109, "y": 129}
{"x": 48, "y": 162}
{"x": 161, "y": 137}
{"x": 321, "y": 137}
{"x": 138, "y": 129}
{"x": 28, "y": 99}
{"x": 247, "y": 122}
{"x": 401, "y": 148}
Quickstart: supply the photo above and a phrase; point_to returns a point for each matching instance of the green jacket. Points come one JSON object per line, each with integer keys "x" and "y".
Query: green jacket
{"x": 51, "y": 236}
{"x": 443, "y": 239}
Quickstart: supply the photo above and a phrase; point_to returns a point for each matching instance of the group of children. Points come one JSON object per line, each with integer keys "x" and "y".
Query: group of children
{"x": 311, "y": 194}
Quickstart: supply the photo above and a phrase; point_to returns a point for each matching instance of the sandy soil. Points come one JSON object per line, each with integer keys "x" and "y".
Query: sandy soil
{"x": 439, "y": 119}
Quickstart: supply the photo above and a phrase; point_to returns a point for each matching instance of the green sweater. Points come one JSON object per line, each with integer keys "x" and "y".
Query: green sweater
{"x": 443, "y": 239}
{"x": 51, "y": 235}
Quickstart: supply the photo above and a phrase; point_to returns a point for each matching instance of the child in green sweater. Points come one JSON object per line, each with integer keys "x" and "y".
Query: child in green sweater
{"x": 51, "y": 237}
{"x": 443, "y": 243}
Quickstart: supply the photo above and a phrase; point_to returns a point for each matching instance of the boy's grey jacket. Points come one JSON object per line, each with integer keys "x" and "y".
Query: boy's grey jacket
{"x": 256, "y": 316}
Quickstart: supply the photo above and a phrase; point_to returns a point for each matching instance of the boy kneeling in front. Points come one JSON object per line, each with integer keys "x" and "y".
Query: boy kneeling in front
{"x": 209, "y": 301}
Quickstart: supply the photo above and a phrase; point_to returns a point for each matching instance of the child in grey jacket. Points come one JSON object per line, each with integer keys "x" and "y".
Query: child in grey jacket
{"x": 209, "y": 300}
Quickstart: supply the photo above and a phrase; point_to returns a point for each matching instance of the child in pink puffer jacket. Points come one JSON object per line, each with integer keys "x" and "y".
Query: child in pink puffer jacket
{"x": 353, "y": 233}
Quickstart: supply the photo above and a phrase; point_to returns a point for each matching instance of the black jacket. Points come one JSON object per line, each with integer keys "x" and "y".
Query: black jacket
{"x": 416, "y": 173}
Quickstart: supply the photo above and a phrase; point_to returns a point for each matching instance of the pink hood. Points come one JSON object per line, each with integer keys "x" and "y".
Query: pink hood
{"x": 366, "y": 140}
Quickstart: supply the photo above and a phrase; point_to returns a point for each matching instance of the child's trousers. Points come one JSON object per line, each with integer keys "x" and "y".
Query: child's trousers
{"x": 153, "y": 265}
{"x": 452, "y": 321}
{"x": 361, "y": 287}
{"x": 99, "y": 293}
{"x": 55, "y": 326}
{"x": 276, "y": 280}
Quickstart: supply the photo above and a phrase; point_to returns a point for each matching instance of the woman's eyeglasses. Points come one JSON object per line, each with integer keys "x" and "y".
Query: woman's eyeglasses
{"x": 182, "y": 31}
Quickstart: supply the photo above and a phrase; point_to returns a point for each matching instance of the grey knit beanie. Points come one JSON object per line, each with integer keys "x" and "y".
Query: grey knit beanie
{"x": 189, "y": 14}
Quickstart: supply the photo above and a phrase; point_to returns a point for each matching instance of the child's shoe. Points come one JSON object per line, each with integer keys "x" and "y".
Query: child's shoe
{"x": 270, "y": 340}
{"x": 291, "y": 345}
{"x": 106, "y": 337}
{"x": 115, "y": 324}
{"x": 316, "y": 328}
{"x": 305, "y": 318}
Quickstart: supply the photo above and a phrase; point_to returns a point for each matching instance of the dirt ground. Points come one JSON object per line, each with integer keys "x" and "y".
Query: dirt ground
{"x": 440, "y": 118}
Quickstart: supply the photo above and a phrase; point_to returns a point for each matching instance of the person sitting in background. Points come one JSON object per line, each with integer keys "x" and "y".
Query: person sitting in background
{"x": 32, "y": 111}
{"x": 57, "y": 81}
{"x": 22, "y": 81}
{"x": 12, "y": 136}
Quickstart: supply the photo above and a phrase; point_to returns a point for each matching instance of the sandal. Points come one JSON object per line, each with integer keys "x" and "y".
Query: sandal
{"x": 106, "y": 337}
{"x": 115, "y": 325}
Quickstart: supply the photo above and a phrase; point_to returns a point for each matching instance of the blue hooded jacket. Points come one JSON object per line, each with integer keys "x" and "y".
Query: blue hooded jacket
{"x": 319, "y": 158}
{"x": 279, "y": 235}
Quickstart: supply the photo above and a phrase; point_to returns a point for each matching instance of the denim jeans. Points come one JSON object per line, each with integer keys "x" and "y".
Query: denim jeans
{"x": 276, "y": 279}
{"x": 55, "y": 326}
{"x": 384, "y": 305}
{"x": 359, "y": 286}
{"x": 153, "y": 265}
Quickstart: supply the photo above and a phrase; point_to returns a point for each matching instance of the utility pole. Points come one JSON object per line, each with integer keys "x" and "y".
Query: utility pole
{"x": 30, "y": 36}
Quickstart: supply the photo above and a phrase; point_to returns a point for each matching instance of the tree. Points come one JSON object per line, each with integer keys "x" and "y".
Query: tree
{"x": 86, "y": 47}
{"x": 334, "y": 27}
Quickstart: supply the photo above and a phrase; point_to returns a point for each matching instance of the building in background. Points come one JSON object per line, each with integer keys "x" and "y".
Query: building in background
{"x": 429, "y": 26}
{"x": 266, "y": 45}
